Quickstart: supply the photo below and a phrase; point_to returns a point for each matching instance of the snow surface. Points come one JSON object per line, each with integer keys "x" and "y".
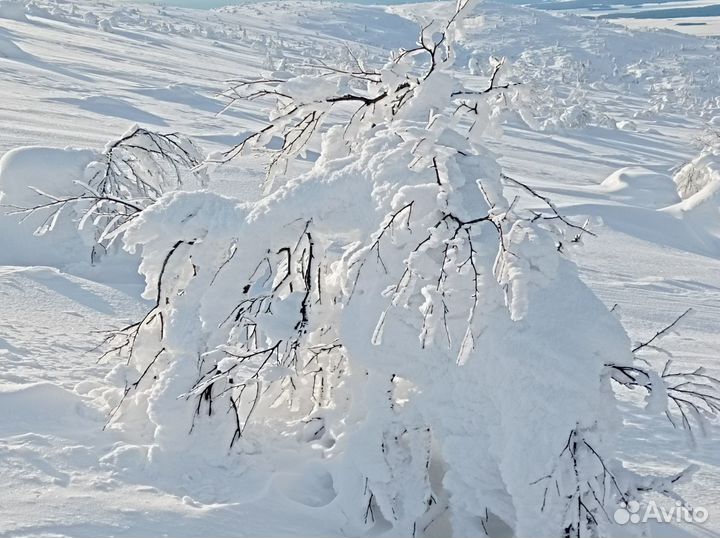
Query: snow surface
{"x": 619, "y": 113}
{"x": 647, "y": 15}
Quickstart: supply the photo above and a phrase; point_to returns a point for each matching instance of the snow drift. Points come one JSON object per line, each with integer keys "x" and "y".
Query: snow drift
{"x": 24, "y": 174}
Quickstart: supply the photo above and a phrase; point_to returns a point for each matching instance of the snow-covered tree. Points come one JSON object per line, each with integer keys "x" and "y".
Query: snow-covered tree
{"x": 403, "y": 310}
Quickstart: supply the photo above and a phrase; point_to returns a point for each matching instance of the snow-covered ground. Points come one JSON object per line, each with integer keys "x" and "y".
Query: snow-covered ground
{"x": 699, "y": 26}
{"x": 694, "y": 17}
{"x": 681, "y": 16}
{"x": 606, "y": 98}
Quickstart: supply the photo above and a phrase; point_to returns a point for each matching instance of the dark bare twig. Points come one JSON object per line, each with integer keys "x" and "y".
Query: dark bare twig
{"x": 694, "y": 394}
{"x": 555, "y": 213}
{"x": 661, "y": 332}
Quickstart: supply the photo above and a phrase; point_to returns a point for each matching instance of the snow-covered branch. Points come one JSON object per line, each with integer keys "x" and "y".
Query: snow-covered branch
{"x": 131, "y": 173}
{"x": 689, "y": 398}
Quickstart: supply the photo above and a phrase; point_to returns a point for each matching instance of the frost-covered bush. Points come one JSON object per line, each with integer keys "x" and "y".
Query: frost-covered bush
{"x": 578, "y": 116}
{"x": 395, "y": 310}
{"x": 130, "y": 174}
{"x": 53, "y": 12}
{"x": 698, "y": 184}
{"x": 106, "y": 25}
{"x": 91, "y": 19}
{"x": 700, "y": 172}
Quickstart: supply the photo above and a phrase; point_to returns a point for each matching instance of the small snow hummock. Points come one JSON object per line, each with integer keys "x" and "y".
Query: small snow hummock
{"x": 13, "y": 10}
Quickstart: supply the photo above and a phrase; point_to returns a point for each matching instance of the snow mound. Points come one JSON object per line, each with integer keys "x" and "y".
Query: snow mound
{"x": 44, "y": 168}
{"x": 9, "y": 50}
{"x": 701, "y": 215}
{"x": 13, "y": 10}
{"x": 50, "y": 170}
{"x": 703, "y": 205}
{"x": 639, "y": 186}
{"x": 40, "y": 406}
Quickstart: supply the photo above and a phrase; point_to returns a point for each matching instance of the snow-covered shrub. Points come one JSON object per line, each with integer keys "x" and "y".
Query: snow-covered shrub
{"x": 91, "y": 19}
{"x": 130, "y": 174}
{"x": 52, "y": 13}
{"x": 578, "y": 116}
{"x": 395, "y": 308}
{"x": 106, "y": 25}
{"x": 700, "y": 172}
{"x": 698, "y": 184}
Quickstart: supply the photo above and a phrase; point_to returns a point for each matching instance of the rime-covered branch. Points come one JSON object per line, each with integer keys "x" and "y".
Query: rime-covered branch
{"x": 131, "y": 173}
{"x": 689, "y": 398}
